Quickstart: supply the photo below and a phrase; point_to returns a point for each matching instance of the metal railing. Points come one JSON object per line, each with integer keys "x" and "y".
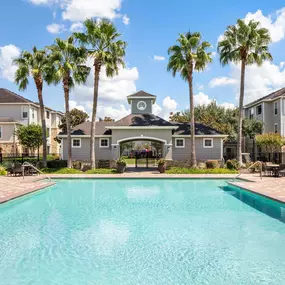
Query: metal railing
{"x": 27, "y": 164}
{"x": 257, "y": 162}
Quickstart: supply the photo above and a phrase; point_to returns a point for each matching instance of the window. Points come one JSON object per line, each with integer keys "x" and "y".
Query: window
{"x": 47, "y": 114}
{"x": 25, "y": 111}
{"x": 48, "y": 132}
{"x": 259, "y": 109}
{"x": 76, "y": 143}
{"x": 33, "y": 113}
{"x": 180, "y": 143}
{"x": 0, "y": 132}
{"x": 275, "y": 128}
{"x": 251, "y": 113}
{"x": 104, "y": 143}
{"x": 141, "y": 105}
{"x": 275, "y": 108}
{"x": 208, "y": 143}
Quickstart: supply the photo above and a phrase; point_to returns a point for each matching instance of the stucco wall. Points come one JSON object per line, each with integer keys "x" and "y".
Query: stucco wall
{"x": 7, "y": 132}
{"x": 135, "y": 110}
{"x": 202, "y": 153}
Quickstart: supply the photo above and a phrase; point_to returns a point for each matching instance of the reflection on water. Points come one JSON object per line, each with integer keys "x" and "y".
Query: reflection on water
{"x": 141, "y": 192}
{"x": 267, "y": 206}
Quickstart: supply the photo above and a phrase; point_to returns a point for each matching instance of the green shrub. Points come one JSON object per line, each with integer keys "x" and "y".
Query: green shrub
{"x": 57, "y": 163}
{"x": 101, "y": 171}
{"x": 232, "y": 164}
{"x": 212, "y": 164}
{"x": 76, "y": 165}
{"x": 53, "y": 157}
{"x": 161, "y": 161}
{"x": 3, "y": 171}
{"x": 184, "y": 170}
{"x": 201, "y": 165}
{"x": 63, "y": 170}
{"x": 122, "y": 161}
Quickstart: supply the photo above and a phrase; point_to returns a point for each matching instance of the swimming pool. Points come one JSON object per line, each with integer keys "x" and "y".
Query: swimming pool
{"x": 142, "y": 232}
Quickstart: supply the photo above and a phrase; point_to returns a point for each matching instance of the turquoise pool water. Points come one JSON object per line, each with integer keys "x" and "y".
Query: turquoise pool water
{"x": 142, "y": 232}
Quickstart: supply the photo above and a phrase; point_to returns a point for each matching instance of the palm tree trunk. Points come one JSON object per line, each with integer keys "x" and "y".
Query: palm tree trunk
{"x": 240, "y": 118}
{"x": 67, "y": 116}
{"x": 43, "y": 118}
{"x": 192, "y": 121}
{"x": 97, "y": 69}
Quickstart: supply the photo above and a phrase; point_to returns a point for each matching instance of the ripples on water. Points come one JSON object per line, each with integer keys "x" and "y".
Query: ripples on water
{"x": 142, "y": 232}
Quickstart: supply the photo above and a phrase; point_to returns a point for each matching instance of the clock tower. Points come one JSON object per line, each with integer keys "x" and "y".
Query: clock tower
{"x": 141, "y": 102}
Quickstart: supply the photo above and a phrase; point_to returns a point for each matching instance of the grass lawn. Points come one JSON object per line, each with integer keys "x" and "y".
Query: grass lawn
{"x": 181, "y": 170}
{"x": 66, "y": 170}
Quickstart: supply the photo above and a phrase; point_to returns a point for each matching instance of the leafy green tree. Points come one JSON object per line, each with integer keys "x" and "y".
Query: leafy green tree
{"x": 30, "y": 136}
{"x": 270, "y": 142}
{"x": 101, "y": 39}
{"x": 36, "y": 65}
{"x": 244, "y": 43}
{"x": 77, "y": 117}
{"x": 189, "y": 55}
{"x": 68, "y": 62}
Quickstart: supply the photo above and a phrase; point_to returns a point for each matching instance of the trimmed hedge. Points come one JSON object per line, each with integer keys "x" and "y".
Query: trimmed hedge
{"x": 57, "y": 163}
{"x": 232, "y": 164}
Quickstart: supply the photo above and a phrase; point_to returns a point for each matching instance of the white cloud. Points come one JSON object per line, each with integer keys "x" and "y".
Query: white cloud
{"x": 159, "y": 57}
{"x": 79, "y": 10}
{"x": 168, "y": 105}
{"x": 43, "y": 2}
{"x": 260, "y": 81}
{"x": 282, "y": 64}
{"x": 222, "y": 81}
{"x": 73, "y": 105}
{"x": 115, "y": 112}
{"x": 275, "y": 23}
{"x": 76, "y": 27}
{"x": 221, "y": 38}
{"x": 55, "y": 28}
{"x": 7, "y": 55}
{"x": 203, "y": 99}
{"x": 200, "y": 87}
{"x": 126, "y": 20}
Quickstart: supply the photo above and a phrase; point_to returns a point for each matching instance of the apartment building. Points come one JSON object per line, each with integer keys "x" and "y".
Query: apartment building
{"x": 16, "y": 110}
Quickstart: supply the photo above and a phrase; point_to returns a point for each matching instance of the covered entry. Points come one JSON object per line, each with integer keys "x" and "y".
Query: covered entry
{"x": 142, "y": 151}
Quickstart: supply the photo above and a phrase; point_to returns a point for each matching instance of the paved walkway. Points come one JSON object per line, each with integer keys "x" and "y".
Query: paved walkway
{"x": 13, "y": 187}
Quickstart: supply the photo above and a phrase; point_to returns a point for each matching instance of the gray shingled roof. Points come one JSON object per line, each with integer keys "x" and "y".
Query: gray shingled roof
{"x": 85, "y": 129}
{"x": 141, "y": 93}
{"x": 7, "y": 96}
{"x": 200, "y": 129}
{"x": 142, "y": 120}
{"x": 271, "y": 96}
{"x": 7, "y": 120}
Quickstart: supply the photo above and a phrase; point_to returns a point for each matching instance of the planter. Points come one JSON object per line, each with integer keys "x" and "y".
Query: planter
{"x": 161, "y": 168}
{"x": 121, "y": 167}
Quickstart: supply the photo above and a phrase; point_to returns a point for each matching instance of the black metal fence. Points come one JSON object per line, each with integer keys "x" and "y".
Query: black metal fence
{"x": 25, "y": 157}
{"x": 277, "y": 157}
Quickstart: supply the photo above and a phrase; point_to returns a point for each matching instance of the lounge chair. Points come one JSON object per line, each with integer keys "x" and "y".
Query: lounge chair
{"x": 17, "y": 169}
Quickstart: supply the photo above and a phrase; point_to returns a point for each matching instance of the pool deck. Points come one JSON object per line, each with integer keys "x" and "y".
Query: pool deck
{"x": 14, "y": 187}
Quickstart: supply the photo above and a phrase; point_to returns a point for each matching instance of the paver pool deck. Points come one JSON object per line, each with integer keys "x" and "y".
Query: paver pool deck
{"x": 14, "y": 187}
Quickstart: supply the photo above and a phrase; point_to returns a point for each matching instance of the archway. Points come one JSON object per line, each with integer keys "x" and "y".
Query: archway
{"x": 142, "y": 152}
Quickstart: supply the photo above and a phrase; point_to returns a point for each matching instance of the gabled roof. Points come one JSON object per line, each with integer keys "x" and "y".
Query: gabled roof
{"x": 85, "y": 129}
{"x": 141, "y": 94}
{"x": 200, "y": 129}
{"x": 7, "y": 96}
{"x": 270, "y": 97}
{"x": 142, "y": 120}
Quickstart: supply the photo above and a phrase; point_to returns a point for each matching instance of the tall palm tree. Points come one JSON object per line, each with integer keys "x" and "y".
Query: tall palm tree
{"x": 245, "y": 44}
{"x": 189, "y": 55}
{"x": 36, "y": 65}
{"x": 68, "y": 63}
{"x": 101, "y": 39}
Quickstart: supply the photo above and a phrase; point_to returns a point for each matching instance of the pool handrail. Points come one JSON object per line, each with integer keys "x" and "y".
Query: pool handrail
{"x": 257, "y": 162}
{"x": 30, "y": 165}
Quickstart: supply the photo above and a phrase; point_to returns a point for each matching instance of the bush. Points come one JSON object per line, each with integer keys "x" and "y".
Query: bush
{"x": 57, "y": 163}
{"x": 212, "y": 164}
{"x": 3, "y": 171}
{"x": 122, "y": 161}
{"x": 161, "y": 161}
{"x": 61, "y": 171}
{"x": 201, "y": 165}
{"x": 76, "y": 165}
{"x": 53, "y": 157}
{"x": 232, "y": 164}
{"x": 184, "y": 170}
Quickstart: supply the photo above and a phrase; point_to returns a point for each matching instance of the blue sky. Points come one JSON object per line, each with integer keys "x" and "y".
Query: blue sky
{"x": 149, "y": 27}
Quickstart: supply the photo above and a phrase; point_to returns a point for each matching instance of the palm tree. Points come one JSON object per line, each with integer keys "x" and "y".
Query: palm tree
{"x": 36, "y": 65}
{"x": 101, "y": 38}
{"x": 68, "y": 63}
{"x": 247, "y": 44}
{"x": 189, "y": 55}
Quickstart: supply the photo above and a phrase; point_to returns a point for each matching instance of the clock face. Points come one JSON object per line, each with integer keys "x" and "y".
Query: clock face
{"x": 141, "y": 105}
